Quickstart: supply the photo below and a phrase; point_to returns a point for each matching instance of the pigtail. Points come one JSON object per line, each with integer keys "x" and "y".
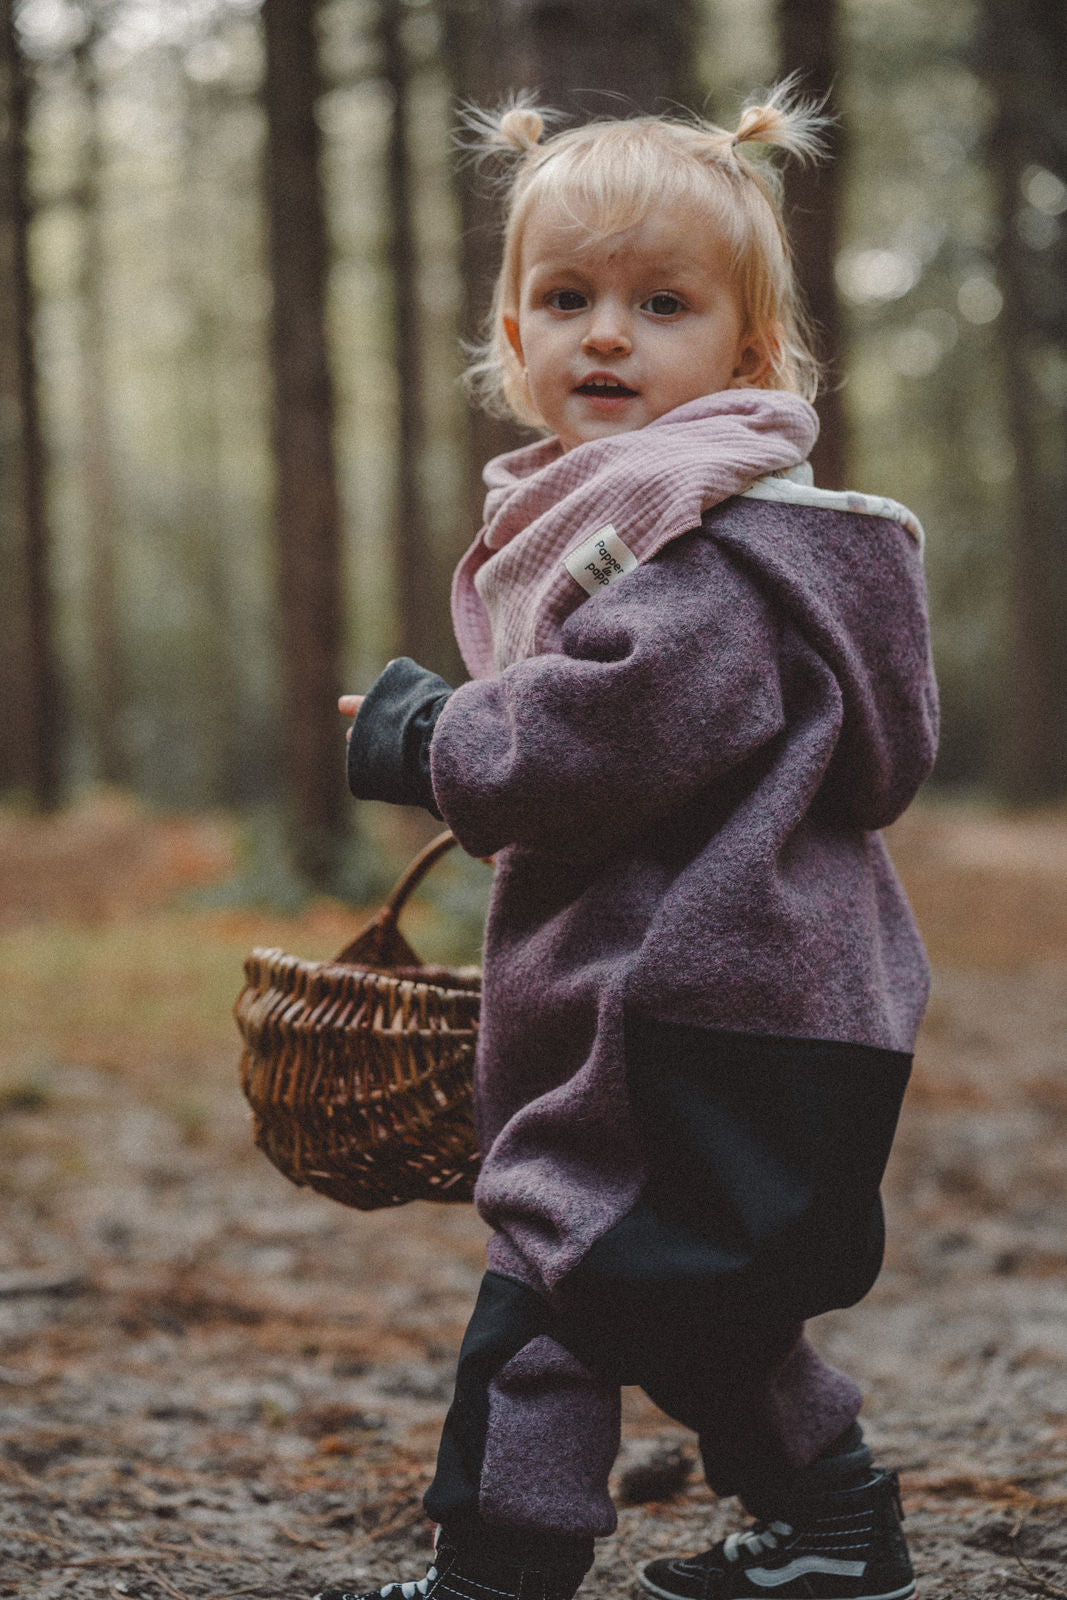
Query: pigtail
{"x": 515, "y": 128}
{"x": 521, "y": 128}
{"x": 793, "y": 124}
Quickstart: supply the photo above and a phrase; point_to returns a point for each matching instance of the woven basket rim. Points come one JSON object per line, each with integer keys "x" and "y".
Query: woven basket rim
{"x": 381, "y": 974}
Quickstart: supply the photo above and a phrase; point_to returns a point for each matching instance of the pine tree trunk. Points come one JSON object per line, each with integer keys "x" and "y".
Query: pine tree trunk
{"x": 211, "y": 559}
{"x": 587, "y": 58}
{"x": 602, "y": 58}
{"x": 418, "y": 611}
{"x": 808, "y": 41}
{"x": 307, "y": 511}
{"x": 1022, "y": 53}
{"x": 476, "y": 50}
{"x": 107, "y": 654}
{"x": 29, "y": 719}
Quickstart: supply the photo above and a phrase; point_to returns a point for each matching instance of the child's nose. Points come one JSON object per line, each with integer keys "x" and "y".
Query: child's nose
{"x": 607, "y": 332}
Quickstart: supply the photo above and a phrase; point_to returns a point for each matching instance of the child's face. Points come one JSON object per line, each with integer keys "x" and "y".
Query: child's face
{"x": 613, "y": 332}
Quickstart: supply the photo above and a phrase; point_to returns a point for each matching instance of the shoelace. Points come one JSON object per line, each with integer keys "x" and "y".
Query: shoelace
{"x": 420, "y": 1586}
{"x": 757, "y": 1542}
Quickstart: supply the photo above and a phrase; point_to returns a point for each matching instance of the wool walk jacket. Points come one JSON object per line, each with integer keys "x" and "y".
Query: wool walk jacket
{"x": 684, "y": 801}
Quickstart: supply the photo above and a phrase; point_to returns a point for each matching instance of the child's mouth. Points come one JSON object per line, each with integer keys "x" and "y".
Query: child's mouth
{"x": 605, "y": 389}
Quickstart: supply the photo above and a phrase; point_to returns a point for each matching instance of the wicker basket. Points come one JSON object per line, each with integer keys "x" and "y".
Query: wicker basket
{"x": 359, "y": 1070}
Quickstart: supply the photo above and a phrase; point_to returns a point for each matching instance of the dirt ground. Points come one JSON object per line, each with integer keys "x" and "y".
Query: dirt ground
{"x": 213, "y": 1384}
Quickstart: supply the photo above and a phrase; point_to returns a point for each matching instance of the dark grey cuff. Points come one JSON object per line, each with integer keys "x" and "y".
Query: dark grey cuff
{"x": 389, "y": 751}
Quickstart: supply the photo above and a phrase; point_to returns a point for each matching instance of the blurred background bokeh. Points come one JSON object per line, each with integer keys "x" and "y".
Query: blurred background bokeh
{"x": 238, "y": 259}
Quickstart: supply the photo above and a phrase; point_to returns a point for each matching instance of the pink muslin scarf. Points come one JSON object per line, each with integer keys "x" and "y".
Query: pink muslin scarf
{"x": 513, "y": 590}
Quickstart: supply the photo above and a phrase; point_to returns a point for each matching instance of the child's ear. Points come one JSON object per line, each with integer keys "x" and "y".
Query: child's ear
{"x": 511, "y": 328}
{"x": 754, "y": 364}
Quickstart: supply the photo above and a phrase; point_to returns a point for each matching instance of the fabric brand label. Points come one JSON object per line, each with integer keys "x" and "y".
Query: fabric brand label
{"x": 600, "y": 560}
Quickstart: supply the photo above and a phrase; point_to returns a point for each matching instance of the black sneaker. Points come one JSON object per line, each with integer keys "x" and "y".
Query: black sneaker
{"x": 837, "y": 1544}
{"x": 473, "y": 1576}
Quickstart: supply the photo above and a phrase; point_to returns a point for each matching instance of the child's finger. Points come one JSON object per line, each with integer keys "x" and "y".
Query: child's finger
{"x": 349, "y": 704}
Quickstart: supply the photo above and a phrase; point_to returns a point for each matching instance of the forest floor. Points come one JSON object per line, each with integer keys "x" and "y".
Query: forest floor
{"x": 213, "y": 1384}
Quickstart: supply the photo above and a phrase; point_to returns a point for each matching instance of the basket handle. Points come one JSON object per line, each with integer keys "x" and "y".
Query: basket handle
{"x": 427, "y": 857}
{"x": 380, "y": 942}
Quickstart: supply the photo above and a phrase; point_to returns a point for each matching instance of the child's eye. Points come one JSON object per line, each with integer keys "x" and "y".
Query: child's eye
{"x": 663, "y": 305}
{"x": 565, "y": 300}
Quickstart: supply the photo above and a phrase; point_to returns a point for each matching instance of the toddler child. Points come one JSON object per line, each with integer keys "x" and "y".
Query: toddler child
{"x": 699, "y": 687}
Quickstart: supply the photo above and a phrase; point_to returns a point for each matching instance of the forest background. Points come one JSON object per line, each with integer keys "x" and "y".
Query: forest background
{"x": 238, "y": 256}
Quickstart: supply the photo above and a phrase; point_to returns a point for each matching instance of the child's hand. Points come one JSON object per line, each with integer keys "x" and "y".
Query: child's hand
{"x": 349, "y": 705}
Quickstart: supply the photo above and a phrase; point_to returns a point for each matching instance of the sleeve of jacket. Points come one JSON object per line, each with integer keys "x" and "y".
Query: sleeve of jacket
{"x": 665, "y": 681}
{"x": 389, "y": 745}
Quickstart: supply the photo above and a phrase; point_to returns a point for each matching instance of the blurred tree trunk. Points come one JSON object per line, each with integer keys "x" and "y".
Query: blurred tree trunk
{"x": 603, "y": 58}
{"x": 482, "y": 70}
{"x": 29, "y": 718}
{"x": 307, "y": 509}
{"x": 422, "y": 626}
{"x": 808, "y": 44}
{"x": 1022, "y": 54}
{"x": 200, "y": 412}
{"x": 587, "y": 58}
{"x": 107, "y": 655}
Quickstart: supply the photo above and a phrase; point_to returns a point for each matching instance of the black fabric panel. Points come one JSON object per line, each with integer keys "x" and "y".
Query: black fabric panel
{"x": 506, "y": 1316}
{"x": 761, "y": 1209}
{"x": 389, "y": 749}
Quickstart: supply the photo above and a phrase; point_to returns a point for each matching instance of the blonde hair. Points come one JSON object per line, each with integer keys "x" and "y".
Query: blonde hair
{"x": 609, "y": 175}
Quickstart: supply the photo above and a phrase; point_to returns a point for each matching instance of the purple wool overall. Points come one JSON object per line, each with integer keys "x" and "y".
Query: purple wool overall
{"x": 702, "y": 989}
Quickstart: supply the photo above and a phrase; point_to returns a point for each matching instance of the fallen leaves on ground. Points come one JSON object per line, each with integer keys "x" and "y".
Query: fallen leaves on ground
{"x": 213, "y": 1384}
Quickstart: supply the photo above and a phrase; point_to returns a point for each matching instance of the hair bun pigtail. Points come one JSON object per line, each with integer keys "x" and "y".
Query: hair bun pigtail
{"x": 793, "y": 124}
{"x": 521, "y": 128}
{"x": 515, "y": 128}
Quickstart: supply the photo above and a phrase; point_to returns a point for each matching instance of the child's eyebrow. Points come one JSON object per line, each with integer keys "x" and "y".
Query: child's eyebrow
{"x": 662, "y": 268}
{"x": 552, "y": 265}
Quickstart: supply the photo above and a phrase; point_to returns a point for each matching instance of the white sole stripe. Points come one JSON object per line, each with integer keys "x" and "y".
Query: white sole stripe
{"x": 907, "y": 1593}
